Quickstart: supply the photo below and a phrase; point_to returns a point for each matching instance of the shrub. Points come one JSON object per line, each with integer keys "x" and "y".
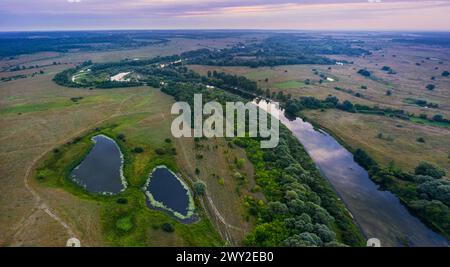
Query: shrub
{"x": 121, "y": 136}
{"x": 124, "y": 224}
{"x": 138, "y": 150}
{"x": 365, "y": 73}
{"x": 122, "y": 201}
{"x": 199, "y": 188}
{"x": 167, "y": 227}
{"x": 430, "y": 87}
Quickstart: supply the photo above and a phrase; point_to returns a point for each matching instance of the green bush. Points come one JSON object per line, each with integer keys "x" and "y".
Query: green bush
{"x": 167, "y": 227}
{"x": 124, "y": 224}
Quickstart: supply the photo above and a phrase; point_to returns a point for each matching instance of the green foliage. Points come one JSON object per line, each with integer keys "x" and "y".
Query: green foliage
{"x": 428, "y": 169}
{"x": 298, "y": 198}
{"x": 424, "y": 193}
{"x": 280, "y": 49}
{"x": 124, "y": 224}
{"x": 167, "y": 227}
{"x": 199, "y": 188}
{"x": 363, "y": 159}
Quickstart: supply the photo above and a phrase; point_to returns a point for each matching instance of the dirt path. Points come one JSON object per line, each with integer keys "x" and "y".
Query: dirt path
{"x": 40, "y": 204}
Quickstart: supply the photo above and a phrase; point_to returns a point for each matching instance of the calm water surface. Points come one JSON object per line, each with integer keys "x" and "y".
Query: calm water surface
{"x": 101, "y": 169}
{"x": 167, "y": 189}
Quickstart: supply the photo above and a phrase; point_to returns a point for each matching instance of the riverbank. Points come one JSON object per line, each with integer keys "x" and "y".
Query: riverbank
{"x": 394, "y": 181}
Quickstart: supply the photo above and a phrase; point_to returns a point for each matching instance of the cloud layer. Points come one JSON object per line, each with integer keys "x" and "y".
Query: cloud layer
{"x": 254, "y": 14}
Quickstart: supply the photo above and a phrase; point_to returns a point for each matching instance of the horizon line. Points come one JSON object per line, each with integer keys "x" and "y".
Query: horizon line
{"x": 223, "y": 29}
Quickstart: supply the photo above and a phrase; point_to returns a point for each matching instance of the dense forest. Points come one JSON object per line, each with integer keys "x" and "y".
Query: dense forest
{"x": 12, "y": 44}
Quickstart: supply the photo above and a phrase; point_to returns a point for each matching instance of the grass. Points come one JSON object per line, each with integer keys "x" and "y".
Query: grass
{"x": 397, "y": 143}
{"x": 289, "y": 85}
{"x": 126, "y": 224}
{"x": 431, "y": 123}
{"x": 25, "y": 137}
{"x": 217, "y": 167}
{"x": 142, "y": 115}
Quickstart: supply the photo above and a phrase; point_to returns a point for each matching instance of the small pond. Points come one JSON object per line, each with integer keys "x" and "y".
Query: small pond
{"x": 168, "y": 192}
{"x": 101, "y": 171}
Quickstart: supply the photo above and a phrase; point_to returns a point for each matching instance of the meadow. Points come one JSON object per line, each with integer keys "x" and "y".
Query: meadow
{"x": 414, "y": 67}
{"x": 38, "y": 118}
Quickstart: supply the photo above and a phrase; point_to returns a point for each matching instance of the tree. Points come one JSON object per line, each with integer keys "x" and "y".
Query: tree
{"x": 325, "y": 234}
{"x": 428, "y": 169}
{"x": 292, "y": 109}
{"x": 438, "y": 118}
{"x": 347, "y": 106}
{"x": 199, "y": 188}
{"x": 303, "y": 240}
{"x": 277, "y": 208}
{"x": 363, "y": 159}
{"x": 445, "y": 74}
{"x": 430, "y": 87}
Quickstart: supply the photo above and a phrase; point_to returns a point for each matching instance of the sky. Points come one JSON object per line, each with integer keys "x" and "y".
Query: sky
{"x": 408, "y": 15}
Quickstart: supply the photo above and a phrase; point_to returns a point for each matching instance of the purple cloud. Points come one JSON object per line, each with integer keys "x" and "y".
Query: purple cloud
{"x": 298, "y": 14}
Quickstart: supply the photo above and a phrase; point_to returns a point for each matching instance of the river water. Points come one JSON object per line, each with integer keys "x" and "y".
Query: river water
{"x": 379, "y": 213}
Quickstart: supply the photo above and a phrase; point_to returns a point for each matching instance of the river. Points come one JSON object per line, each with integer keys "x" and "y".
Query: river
{"x": 378, "y": 213}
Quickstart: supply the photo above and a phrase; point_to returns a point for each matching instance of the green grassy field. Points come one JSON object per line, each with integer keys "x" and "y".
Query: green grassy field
{"x": 289, "y": 85}
{"x": 38, "y": 116}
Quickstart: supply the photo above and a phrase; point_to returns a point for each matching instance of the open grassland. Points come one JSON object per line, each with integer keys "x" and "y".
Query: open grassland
{"x": 388, "y": 140}
{"x": 140, "y": 113}
{"x": 409, "y": 81}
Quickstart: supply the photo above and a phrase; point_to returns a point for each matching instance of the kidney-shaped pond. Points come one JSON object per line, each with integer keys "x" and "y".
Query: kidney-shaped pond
{"x": 166, "y": 191}
{"x": 101, "y": 171}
